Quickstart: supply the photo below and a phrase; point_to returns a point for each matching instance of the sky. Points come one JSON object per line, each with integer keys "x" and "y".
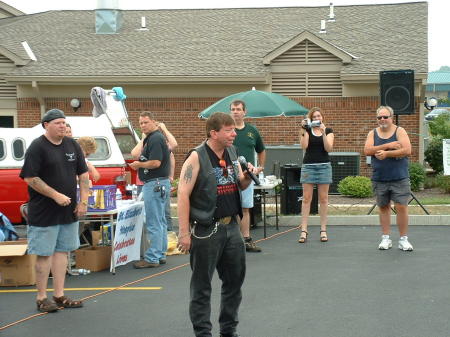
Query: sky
{"x": 438, "y": 14}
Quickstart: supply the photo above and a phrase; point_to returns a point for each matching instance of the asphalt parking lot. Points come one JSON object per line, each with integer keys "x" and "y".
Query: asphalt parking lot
{"x": 345, "y": 287}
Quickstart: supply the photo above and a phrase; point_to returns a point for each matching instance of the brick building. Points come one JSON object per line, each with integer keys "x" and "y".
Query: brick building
{"x": 182, "y": 61}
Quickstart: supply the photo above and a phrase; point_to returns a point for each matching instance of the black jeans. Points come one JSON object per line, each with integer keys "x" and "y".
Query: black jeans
{"x": 225, "y": 251}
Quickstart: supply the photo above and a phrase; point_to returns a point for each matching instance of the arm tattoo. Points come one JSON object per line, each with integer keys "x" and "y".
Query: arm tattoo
{"x": 188, "y": 174}
{"x": 84, "y": 182}
{"x": 37, "y": 183}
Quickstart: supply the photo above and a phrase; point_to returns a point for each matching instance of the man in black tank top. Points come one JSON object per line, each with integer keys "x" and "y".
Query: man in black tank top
{"x": 389, "y": 146}
{"x": 208, "y": 203}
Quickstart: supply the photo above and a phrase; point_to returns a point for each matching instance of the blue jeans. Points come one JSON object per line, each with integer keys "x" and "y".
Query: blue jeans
{"x": 168, "y": 216}
{"x": 155, "y": 219}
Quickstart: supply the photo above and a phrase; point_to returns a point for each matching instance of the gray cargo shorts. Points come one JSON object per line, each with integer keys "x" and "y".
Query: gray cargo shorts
{"x": 399, "y": 191}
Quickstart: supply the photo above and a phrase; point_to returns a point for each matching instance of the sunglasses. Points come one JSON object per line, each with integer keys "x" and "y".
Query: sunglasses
{"x": 223, "y": 165}
{"x": 383, "y": 117}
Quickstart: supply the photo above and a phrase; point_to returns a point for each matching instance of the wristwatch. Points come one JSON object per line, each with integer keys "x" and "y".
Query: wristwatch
{"x": 84, "y": 202}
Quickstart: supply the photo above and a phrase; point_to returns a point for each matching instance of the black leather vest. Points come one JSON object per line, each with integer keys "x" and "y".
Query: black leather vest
{"x": 204, "y": 194}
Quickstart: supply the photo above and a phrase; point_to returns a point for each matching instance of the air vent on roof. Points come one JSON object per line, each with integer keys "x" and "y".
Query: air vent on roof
{"x": 108, "y": 17}
{"x": 143, "y": 24}
{"x": 331, "y": 17}
{"x": 322, "y": 27}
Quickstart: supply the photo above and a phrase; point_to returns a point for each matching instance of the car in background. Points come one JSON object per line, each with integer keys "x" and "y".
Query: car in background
{"x": 435, "y": 113}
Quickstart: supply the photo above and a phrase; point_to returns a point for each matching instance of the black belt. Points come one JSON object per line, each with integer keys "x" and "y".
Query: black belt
{"x": 153, "y": 179}
{"x": 226, "y": 220}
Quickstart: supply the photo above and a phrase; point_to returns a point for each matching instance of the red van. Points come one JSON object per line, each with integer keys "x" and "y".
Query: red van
{"x": 114, "y": 145}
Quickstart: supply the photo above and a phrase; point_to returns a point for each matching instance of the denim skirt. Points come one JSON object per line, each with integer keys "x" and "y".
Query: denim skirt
{"x": 316, "y": 174}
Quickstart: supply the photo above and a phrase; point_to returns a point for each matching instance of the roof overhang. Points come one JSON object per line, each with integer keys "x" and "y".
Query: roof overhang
{"x": 373, "y": 78}
{"x": 10, "y": 9}
{"x": 18, "y": 61}
{"x": 306, "y": 35}
{"x": 74, "y": 80}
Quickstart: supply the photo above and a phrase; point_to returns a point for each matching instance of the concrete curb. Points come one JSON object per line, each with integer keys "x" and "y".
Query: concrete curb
{"x": 361, "y": 220}
{"x": 351, "y": 220}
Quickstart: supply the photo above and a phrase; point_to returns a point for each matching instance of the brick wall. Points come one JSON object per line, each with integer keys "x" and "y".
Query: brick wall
{"x": 350, "y": 117}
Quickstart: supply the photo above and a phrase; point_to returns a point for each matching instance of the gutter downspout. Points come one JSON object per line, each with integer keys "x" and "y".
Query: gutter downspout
{"x": 422, "y": 125}
{"x": 35, "y": 86}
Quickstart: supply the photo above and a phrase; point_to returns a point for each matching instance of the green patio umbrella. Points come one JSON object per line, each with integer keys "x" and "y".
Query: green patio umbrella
{"x": 259, "y": 104}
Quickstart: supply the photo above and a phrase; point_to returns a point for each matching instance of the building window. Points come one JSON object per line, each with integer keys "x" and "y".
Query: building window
{"x": 6, "y": 121}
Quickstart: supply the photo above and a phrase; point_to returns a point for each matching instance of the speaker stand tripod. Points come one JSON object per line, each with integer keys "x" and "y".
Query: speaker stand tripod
{"x": 413, "y": 197}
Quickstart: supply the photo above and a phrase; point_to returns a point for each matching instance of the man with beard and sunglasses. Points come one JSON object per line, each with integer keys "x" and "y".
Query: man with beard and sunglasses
{"x": 208, "y": 206}
{"x": 389, "y": 147}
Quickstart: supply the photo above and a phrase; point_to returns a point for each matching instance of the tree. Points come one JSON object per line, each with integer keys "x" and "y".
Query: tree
{"x": 444, "y": 68}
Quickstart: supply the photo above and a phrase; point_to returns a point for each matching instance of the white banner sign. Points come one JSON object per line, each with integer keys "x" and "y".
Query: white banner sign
{"x": 127, "y": 238}
{"x": 446, "y": 155}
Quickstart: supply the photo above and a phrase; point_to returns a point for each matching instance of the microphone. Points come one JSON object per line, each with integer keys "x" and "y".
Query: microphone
{"x": 244, "y": 167}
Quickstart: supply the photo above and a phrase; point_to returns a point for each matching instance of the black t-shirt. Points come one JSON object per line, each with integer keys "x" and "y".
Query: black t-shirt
{"x": 58, "y": 166}
{"x": 315, "y": 153}
{"x": 155, "y": 148}
{"x": 228, "y": 201}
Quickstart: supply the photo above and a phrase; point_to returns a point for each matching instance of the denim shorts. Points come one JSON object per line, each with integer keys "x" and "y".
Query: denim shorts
{"x": 399, "y": 191}
{"x": 316, "y": 174}
{"x": 45, "y": 241}
{"x": 247, "y": 196}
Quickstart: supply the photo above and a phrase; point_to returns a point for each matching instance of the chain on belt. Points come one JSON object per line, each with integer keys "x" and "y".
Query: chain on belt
{"x": 214, "y": 231}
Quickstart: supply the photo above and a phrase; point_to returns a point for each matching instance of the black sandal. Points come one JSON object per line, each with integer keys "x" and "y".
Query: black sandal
{"x": 323, "y": 238}
{"x": 45, "y": 305}
{"x": 303, "y": 239}
{"x": 66, "y": 302}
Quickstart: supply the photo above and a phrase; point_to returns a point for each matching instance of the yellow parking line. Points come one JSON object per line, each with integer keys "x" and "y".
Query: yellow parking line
{"x": 80, "y": 289}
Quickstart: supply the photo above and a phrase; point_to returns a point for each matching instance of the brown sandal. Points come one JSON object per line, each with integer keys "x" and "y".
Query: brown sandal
{"x": 66, "y": 302}
{"x": 45, "y": 305}
{"x": 303, "y": 239}
{"x": 323, "y": 238}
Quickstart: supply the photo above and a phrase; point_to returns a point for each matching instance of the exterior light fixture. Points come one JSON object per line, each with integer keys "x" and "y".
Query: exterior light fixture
{"x": 430, "y": 103}
{"x": 75, "y": 103}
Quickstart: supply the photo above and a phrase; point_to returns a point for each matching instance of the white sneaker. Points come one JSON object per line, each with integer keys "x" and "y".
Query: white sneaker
{"x": 404, "y": 244}
{"x": 385, "y": 243}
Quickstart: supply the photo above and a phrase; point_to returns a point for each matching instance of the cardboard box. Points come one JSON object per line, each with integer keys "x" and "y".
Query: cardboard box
{"x": 96, "y": 237}
{"x": 16, "y": 267}
{"x": 93, "y": 258}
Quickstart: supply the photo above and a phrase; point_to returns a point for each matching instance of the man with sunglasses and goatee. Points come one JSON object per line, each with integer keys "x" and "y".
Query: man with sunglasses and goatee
{"x": 208, "y": 206}
{"x": 389, "y": 146}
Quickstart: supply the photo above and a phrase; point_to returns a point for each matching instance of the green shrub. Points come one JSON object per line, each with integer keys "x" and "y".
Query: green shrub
{"x": 440, "y": 126}
{"x": 416, "y": 176}
{"x": 431, "y": 181}
{"x": 355, "y": 186}
{"x": 174, "y": 187}
{"x": 444, "y": 182}
{"x": 433, "y": 154}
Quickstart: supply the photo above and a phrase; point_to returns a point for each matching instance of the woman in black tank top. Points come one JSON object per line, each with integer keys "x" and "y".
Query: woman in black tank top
{"x": 317, "y": 141}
